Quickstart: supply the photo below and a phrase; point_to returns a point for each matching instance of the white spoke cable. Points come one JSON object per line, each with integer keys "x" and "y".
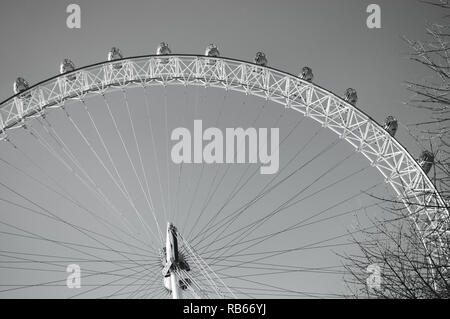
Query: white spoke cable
{"x": 155, "y": 158}
{"x": 67, "y": 196}
{"x": 166, "y": 122}
{"x": 97, "y": 156}
{"x": 146, "y": 225}
{"x": 183, "y": 275}
{"x": 205, "y": 267}
{"x": 95, "y": 189}
{"x": 148, "y": 196}
{"x": 74, "y": 159}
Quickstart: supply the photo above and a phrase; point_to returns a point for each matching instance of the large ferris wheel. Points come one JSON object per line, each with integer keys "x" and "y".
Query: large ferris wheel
{"x": 87, "y": 179}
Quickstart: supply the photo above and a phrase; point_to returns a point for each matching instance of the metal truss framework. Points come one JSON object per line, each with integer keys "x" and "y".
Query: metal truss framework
{"x": 412, "y": 186}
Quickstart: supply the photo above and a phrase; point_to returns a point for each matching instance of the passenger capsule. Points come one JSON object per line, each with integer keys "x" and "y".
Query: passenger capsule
{"x": 306, "y": 74}
{"x": 426, "y": 161}
{"x": 350, "y": 96}
{"x": 67, "y": 66}
{"x": 260, "y": 59}
{"x": 391, "y": 125}
{"x": 163, "y": 49}
{"x": 115, "y": 54}
{"x": 211, "y": 50}
{"x": 20, "y": 85}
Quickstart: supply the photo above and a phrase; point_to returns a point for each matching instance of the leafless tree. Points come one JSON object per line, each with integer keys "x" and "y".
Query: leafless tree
{"x": 405, "y": 268}
{"x": 433, "y": 94}
{"x": 394, "y": 246}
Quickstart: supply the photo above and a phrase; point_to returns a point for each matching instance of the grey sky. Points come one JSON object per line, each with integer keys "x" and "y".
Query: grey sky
{"x": 329, "y": 36}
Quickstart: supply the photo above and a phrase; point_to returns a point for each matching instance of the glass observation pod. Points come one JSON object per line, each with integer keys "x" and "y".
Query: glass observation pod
{"x": 260, "y": 59}
{"x": 67, "y": 66}
{"x": 212, "y": 51}
{"x": 306, "y": 74}
{"x": 163, "y": 49}
{"x": 115, "y": 54}
{"x": 391, "y": 125}
{"x": 426, "y": 161}
{"x": 20, "y": 85}
{"x": 351, "y": 96}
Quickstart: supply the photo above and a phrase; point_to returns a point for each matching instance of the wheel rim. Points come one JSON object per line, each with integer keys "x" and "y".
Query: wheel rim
{"x": 383, "y": 152}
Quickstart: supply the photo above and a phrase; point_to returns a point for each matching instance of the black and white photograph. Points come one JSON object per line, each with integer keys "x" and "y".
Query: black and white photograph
{"x": 251, "y": 150}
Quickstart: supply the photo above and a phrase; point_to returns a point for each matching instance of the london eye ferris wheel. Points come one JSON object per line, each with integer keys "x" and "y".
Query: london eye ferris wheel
{"x": 89, "y": 179}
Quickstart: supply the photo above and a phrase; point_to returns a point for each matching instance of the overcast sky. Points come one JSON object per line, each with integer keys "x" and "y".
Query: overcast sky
{"x": 329, "y": 36}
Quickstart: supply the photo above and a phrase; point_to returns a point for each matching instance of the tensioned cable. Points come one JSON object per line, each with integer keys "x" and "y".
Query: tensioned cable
{"x": 94, "y": 188}
{"x": 180, "y": 170}
{"x": 255, "y": 225}
{"x": 107, "y": 284}
{"x": 166, "y": 123}
{"x": 64, "y": 259}
{"x": 236, "y": 190}
{"x": 261, "y": 109}
{"x": 265, "y": 191}
{"x": 295, "y": 249}
{"x": 211, "y": 228}
{"x": 199, "y": 101}
{"x": 183, "y": 275}
{"x": 144, "y": 223}
{"x": 123, "y": 287}
{"x": 210, "y": 188}
{"x": 106, "y": 223}
{"x": 304, "y": 198}
{"x": 155, "y": 158}
{"x": 59, "y": 284}
{"x": 22, "y": 260}
{"x": 152, "y": 207}
{"x": 147, "y": 284}
{"x": 59, "y": 243}
{"x": 71, "y": 155}
{"x": 290, "y": 228}
{"x": 302, "y": 223}
{"x": 206, "y": 268}
{"x": 53, "y": 216}
{"x": 123, "y": 189}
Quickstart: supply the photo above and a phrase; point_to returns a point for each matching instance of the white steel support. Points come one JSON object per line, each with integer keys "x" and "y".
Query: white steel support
{"x": 172, "y": 260}
{"x": 427, "y": 208}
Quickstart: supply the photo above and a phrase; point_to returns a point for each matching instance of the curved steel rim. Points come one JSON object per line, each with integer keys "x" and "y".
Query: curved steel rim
{"x": 426, "y": 216}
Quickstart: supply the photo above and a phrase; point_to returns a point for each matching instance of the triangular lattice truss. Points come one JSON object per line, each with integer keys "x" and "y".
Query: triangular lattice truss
{"x": 427, "y": 209}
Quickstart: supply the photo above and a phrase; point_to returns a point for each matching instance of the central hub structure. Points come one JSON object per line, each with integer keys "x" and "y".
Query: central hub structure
{"x": 174, "y": 262}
